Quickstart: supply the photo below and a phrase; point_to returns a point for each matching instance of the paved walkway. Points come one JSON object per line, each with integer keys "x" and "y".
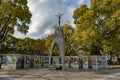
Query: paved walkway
{"x": 45, "y": 74}
{"x": 114, "y": 66}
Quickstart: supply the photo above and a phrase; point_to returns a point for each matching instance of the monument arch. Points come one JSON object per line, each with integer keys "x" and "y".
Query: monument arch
{"x": 59, "y": 40}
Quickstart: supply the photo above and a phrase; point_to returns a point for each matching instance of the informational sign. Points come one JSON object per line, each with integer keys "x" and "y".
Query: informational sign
{"x": 94, "y": 62}
{"x": 80, "y": 63}
{"x": 71, "y": 61}
{"x": 36, "y": 61}
{"x": 27, "y": 61}
{"x": 40, "y": 62}
{"x": 10, "y": 62}
{"x": 102, "y": 62}
{"x": 66, "y": 62}
{"x": 19, "y": 59}
{"x": 10, "y": 59}
{"x": 55, "y": 61}
{"x": 85, "y": 62}
{"x": 46, "y": 61}
{"x": 76, "y": 62}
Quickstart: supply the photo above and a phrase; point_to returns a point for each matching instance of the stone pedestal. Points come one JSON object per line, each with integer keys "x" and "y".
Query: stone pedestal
{"x": 8, "y": 66}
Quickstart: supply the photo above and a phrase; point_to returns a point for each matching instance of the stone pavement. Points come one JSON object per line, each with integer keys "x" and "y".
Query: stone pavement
{"x": 70, "y": 74}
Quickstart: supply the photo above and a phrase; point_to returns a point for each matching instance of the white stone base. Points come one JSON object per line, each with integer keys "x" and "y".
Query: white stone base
{"x": 8, "y": 66}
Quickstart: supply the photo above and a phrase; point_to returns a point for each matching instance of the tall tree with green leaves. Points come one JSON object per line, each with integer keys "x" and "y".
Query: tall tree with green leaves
{"x": 98, "y": 27}
{"x": 9, "y": 46}
{"x": 47, "y": 45}
{"x": 68, "y": 31}
{"x": 13, "y": 13}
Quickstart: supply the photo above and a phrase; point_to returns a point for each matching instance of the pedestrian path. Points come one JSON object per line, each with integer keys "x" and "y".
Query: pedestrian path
{"x": 45, "y": 74}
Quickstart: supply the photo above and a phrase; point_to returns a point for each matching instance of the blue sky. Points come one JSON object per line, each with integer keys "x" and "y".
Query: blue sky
{"x": 43, "y": 15}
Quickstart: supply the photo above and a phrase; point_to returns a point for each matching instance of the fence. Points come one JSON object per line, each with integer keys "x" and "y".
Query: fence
{"x": 17, "y": 61}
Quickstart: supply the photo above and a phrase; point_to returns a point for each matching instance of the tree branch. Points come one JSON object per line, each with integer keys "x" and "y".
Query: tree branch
{"x": 4, "y": 30}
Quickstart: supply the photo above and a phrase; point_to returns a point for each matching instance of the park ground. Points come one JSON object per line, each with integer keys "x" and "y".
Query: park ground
{"x": 69, "y": 74}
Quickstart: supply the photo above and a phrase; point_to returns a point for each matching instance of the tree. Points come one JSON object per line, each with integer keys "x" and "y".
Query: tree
{"x": 13, "y": 13}
{"x": 68, "y": 31}
{"x": 27, "y": 46}
{"x": 97, "y": 27}
{"x": 9, "y": 46}
{"x": 40, "y": 46}
{"x": 48, "y": 41}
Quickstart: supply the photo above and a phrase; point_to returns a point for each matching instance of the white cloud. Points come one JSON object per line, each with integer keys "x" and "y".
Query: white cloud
{"x": 81, "y": 2}
{"x": 42, "y": 1}
{"x": 43, "y": 15}
{"x": 84, "y": 2}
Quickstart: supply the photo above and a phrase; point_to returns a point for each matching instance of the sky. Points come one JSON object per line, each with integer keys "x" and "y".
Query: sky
{"x": 43, "y": 16}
